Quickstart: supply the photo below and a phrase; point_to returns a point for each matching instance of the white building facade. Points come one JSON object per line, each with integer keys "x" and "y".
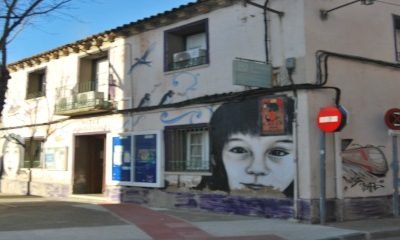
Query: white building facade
{"x": 213, "y": 106}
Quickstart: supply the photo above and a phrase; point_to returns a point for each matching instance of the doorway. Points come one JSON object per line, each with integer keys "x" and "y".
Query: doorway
{"x": 89, "y": 164}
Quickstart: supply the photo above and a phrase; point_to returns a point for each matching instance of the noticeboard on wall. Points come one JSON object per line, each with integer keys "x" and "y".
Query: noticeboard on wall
{"x": 56, "y": 158}
{"x": 121, "y": 158}
{"x": 137, "y": 159}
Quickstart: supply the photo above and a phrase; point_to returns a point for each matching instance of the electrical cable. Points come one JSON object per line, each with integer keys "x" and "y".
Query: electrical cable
{"x": 219, "y": 98}
{"x": 321, "y": 81}
{"x": 323, "y": 56}
{"x": 360, "y": 59}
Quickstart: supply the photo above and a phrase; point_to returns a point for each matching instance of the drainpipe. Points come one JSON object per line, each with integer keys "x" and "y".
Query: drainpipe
{"x": 265, "y": 8}
{"x": 266, "y": 31}
{"x": 296, "y": 186}
{"x": 131, "y": 83}
{"x": 290, "y": 67}
{"x": 338, "y": 175}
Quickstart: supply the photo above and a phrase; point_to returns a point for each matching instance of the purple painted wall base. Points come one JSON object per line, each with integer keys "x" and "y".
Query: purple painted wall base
{"x": 307, "y": 210}
{"x": 215, "y": 202}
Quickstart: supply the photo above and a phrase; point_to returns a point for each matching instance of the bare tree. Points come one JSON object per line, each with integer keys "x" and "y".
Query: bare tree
{"x": 14, "y": 15}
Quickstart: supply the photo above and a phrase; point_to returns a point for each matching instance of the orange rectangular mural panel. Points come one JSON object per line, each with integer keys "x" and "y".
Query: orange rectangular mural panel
{"x": 273, "y": 116}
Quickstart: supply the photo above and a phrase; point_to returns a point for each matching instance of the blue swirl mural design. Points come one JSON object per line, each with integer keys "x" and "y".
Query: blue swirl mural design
{"x": 191, "y": 115}
{"x": 192, "y": 81}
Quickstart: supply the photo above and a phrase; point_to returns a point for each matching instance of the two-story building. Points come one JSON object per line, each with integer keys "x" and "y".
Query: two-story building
{"x": 213, "y": 105}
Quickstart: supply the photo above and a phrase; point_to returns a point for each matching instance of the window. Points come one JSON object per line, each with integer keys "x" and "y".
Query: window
{"x": 93, "y": 74}
{"x": 36, "y": 84}
{"x": 186, "y": 148}
{"x": 186, "y": 46}
{"x": 396, "y": 23}
{"x": 32, "y": 156}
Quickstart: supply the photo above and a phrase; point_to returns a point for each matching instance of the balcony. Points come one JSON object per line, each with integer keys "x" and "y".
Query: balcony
{"x": 189, "y": 58}
{"x": 192, "y": 62}
{"x": 87, "y": 100}
{"x": 33, "y": 95}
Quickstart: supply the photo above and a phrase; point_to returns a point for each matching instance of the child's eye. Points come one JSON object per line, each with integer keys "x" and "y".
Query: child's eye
{"x": 238, "y": 150}
{"x": 278, "y": 152}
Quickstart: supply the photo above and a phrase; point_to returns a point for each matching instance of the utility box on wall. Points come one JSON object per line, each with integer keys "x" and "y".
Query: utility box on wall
{"x": 252, "y": 73}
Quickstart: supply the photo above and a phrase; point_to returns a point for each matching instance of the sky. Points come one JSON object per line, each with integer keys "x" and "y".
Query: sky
{"x": 80, "y": 19}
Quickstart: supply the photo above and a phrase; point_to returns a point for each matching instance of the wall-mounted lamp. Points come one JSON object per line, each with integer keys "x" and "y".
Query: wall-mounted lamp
{"x": 324, "y": 13}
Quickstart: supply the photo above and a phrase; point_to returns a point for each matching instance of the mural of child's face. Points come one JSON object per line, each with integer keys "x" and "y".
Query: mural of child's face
{"x": 11, "y": 158}
{"x": 259, "y": 162}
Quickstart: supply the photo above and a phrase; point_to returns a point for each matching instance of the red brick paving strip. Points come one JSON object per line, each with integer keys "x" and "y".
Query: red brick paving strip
{"x": 165, "y": 227}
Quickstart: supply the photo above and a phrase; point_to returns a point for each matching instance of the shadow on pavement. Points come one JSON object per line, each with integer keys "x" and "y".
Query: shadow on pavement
{"x": 29, "y": 215}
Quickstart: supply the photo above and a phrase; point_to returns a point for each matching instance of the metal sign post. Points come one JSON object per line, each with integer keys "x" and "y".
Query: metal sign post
{"x": 395, "y": 164}
{"x": 392, "y": 120}
{"x": 329, "y": 119}
{"x": 322, "y": 192}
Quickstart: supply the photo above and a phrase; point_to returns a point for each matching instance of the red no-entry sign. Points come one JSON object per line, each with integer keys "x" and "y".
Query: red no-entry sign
{"x": 392, "y": 118}
{"x": 331, "y": 119}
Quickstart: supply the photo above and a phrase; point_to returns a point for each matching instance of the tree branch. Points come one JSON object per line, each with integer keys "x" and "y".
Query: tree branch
{"x": 15, "y": 14}
{"x": 33, "y": 13}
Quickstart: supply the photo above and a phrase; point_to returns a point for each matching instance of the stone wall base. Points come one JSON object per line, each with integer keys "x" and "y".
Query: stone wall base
{"x": 34, "y": 188}
{"x": 348, "y": 209}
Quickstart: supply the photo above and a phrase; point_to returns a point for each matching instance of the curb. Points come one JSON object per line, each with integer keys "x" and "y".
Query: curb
{"x": 350, "y": 236}
{"x": 384, "y": 234}
{"x": 367, "y": 235}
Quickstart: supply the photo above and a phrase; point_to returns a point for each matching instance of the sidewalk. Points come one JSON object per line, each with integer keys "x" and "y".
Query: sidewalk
{"x": 37, "y": 218}
{"x": 173, "y": 224}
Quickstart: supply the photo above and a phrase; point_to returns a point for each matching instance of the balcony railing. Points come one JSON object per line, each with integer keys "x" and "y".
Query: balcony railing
{"x": 188, "y": 63}
{"x": 32, "y": 95}
{"x": 87, "y": 86}
{"x": 83, "y": 99}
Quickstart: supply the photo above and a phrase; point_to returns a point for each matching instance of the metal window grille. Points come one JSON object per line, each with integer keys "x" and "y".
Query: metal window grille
{"x": 186, "y": 148}
{"x": 32, "y": 156}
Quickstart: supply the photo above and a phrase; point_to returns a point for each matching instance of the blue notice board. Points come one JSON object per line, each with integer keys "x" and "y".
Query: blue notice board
{"x": 121, "y": 158}
{"x": 145, "y": 160}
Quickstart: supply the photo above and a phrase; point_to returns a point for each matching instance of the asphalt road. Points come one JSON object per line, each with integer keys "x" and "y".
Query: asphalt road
{"x": 35, "y": 219}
